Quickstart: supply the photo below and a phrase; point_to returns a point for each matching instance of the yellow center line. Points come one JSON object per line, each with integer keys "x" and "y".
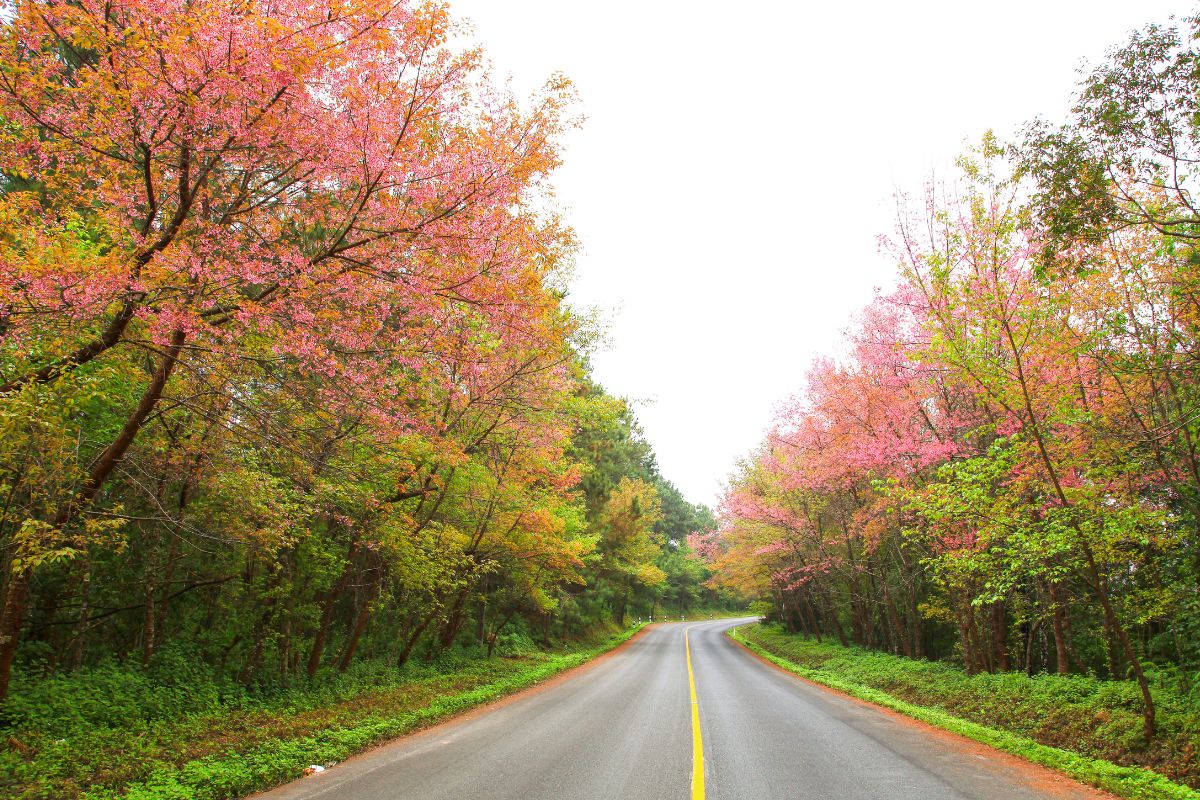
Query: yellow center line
{"x": 697, "y": 738}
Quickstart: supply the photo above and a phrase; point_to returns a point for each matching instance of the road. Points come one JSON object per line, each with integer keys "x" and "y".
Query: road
{"x": 623, "y": 728}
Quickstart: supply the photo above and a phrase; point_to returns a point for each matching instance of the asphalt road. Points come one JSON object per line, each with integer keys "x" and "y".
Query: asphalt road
{"x": 623, "y": 729}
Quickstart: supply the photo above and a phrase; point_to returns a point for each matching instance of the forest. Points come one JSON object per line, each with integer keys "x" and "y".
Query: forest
{"x": 997, "y": 466}
{"x": 287, "y": 377}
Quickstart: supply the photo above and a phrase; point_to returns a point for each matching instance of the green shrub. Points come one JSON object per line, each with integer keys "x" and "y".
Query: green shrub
{"x": 173, "y": 731}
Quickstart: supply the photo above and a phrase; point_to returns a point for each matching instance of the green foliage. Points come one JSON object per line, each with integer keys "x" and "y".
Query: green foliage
{"x": 177, "y": 730}
{"x": 1088, "y": 728}
{"x": 637, "y": 574}
{"x": 1128, "y": 156}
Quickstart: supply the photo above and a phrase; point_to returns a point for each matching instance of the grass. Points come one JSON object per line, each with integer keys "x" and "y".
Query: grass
{"x": 1086, "y": 728}
{"x": 173, "y": 733}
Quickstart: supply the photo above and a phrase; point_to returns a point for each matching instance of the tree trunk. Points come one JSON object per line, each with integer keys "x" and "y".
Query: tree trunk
{"x": 1029, "y": 637}
{"x": 17, "y": 596}
{"x": 1062, "y": 663}
{"x": 328, "y": 601}
{"x": 360, "y": 624}
{"x": 103, "y": 468}
{"x": 410, "y": 643}
{"x": 481, "y": 613}
{"x": 1149, "y": 723}
{"x": 11, "y": 618}
{"x": 79, "y": 642}
{"x": 1110, "y": 650}
{"x": 897, "y": 626}
{"x": 172, "y": 560}
{"x": 812, "y": 616}
{"x": 1000, "y": 637}
{"x": 838, "y": 630}
{"x": 160, "y": 620}
{"x": 962, "y": 612}
{"x": 785, "y": 612}
{"x": 149, "y": 616}
{"x": 491, "y": 637}
{"x": 454, "y": 622}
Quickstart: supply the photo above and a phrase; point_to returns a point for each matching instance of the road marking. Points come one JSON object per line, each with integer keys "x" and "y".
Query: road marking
{"x": 697, "y": 738}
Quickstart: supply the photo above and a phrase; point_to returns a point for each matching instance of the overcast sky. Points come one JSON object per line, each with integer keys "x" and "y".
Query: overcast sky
{"x": 739, "y": 162}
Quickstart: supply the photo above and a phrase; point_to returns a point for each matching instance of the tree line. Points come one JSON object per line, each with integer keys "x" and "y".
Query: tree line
{"x": 287, "y": 379}
{"x": 1001, "y": 466}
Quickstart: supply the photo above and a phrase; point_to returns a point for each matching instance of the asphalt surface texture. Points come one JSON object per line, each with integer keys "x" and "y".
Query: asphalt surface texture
{"x": 622, "y": 728}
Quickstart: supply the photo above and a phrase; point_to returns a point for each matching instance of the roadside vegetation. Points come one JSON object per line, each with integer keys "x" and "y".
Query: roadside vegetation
{"x": 180, "y": 730}
{"x": 997, "y": 476}
{"x": 1088, "y": 728}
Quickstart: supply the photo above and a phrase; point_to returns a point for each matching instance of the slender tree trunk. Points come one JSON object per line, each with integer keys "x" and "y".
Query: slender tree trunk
{"x": 455, "y": 620}
{"x": 912, "y": 577}
{"x": 781, "y": 604}
{"x": 918, "y": 635}
{"x": 1070, "y": 641}
{"x": 414, "y": 635}
{"x": 1062, "y": 663}
{"x": 983, "y": 650}
{"x": 17, "y": 596}
{"x": 811, "y": 614}
{"x": 1110, "y": 651}
{"x": 481, "y": 612}
{"x": 103, "y": 468}
{"x": 328, "y": 602}
{"x": 284, "y": 646}
{"x": 150, "y": 569}
{"x": 322, "y": 633}
{"x": 962, "y": 615}
{"x": 1000, "y": 637}
{"x": 1149, "y": 723}
{"x": 1097, "y": 579}
{"x": 838, "y": 630}
{"x": 491, "y": 637}
{"x": 360, "y": 624}
{"x": 254, "y": 658}
{"x": 149, "y": 616}
{"x": 786, "y": 615}
{"x": 160, "y": 619}
{"x": 1029, "y": 637}
{"x": 172, "y": 559}
{"x": 79, "y": 641}
{"x": 896, "y": 624}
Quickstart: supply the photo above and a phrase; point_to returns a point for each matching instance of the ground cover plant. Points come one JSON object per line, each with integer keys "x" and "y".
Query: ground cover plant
{"x": 1088, "y": 728}
{"x": 175, "y": 730}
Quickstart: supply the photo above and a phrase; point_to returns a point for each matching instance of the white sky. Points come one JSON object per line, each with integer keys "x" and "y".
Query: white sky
{"x": 738, "y": 164}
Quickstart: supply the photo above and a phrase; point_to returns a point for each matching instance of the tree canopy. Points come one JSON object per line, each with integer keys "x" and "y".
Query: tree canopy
{"x": 1002, "y": 469}
{"x": 286, "y": 374}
